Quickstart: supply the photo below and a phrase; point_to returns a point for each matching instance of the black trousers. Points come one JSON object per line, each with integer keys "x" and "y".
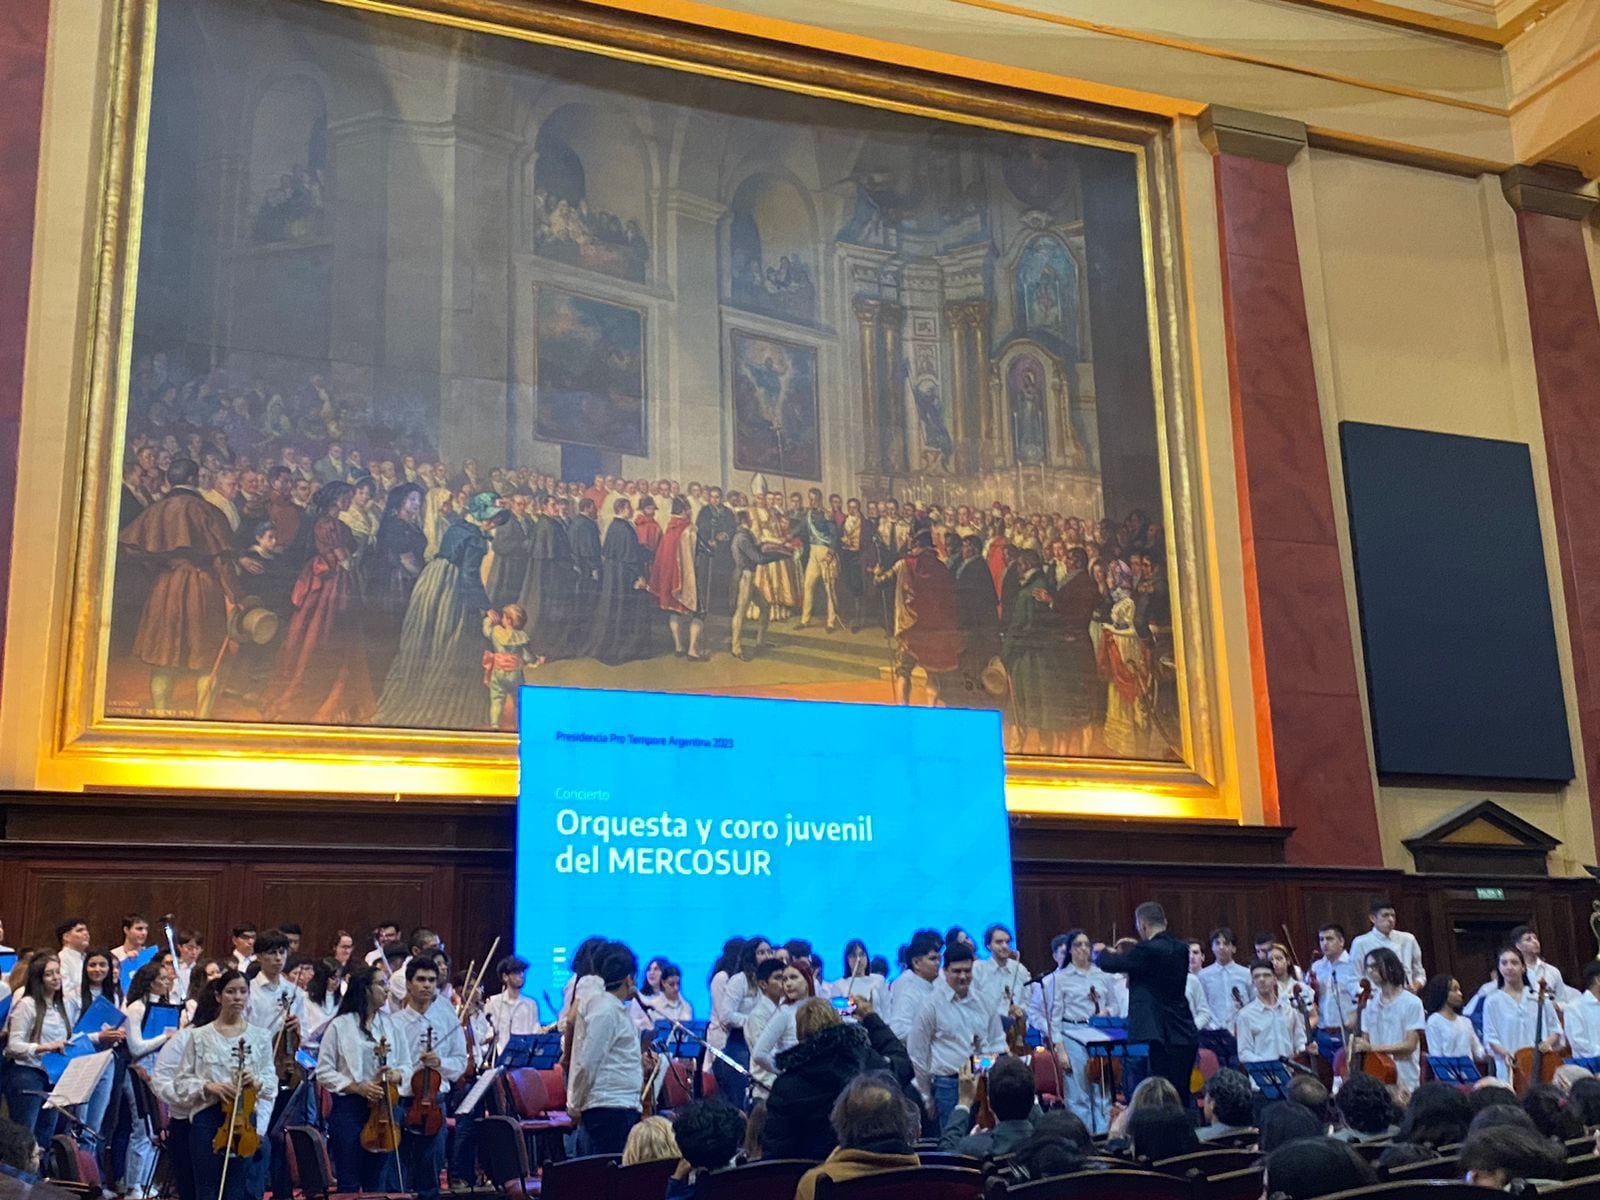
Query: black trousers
{"x": 1175, "y": 1064}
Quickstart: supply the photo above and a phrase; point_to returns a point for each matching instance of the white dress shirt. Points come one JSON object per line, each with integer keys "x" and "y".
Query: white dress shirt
{"x": 1447, "y": 1038}
{"x": 1268, "y": 1032}
{"x": 738, "y": 1001}
{"x": 180, "y": 987}
{"x": 948, "y": 1030}
{"x": 873, "y": 987}
{"x": 348, "y": 1056}
{"x": 663, "y": 1009}
{"x": 164, "y": 1075}
{"x": 716, "y": 1031}
{"x": 1065, "y": 995}
{"x": 71, "y": 971}
{"x": 241, "y": 962}
{"x": 264, "y": 1009}
{"x": 1338, "y": 983}
{"x": 1204, "y": 1018}
{"x": 1509, "y": 1025}
{"x": 21, "y": 1046}
{"x": 606, "y": 1067}
{"x": 907, "y": 995}
{"x": 990, "y": 980}
{"x": 1405, "y": 946}
{"x": 510, "y": 1014}
{"x": 449, "y": 1044}
{"x": 1219, "y": 981}
{"x": 1387, "y": 1022}
{"x": 1549, "y": 974}
{"x": 139, "y": 1046}
{"x": 777, "y": 1035}
{"x": 1583, "y": 1026}
{"x": 208, "y": 1057}
{"x": 755, "y": 1025}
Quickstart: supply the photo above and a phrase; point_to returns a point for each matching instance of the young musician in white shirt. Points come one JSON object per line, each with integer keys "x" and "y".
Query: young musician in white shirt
{"x": 419, "y": 1022}
{"x": 1384, "y": 934}
{"x": 205, "y": 1082}
{"x": 135, "y": 933}
{"x": 1583, "y": 1016}
{"x": 1068, "y": 996}
{"x": 190, "y": 947}
{"x": 271, "y": 994}
{"x": 606, "y": 1086}
{"x": 348, "y": 1066}
{"x": 778, "y": 1034}
{"x": 668, "y": 1004}
{"x": 1001, "y": 978}
{"x": 1540, "y": 970}
{"x": 73, "y": 934}
{"x": 508, "y": 1012}
{"x": 1336, "y": 979}
{"x": 770, "y": 977}
{"x": 1267, "y": 1028}
{"x": 859, "y": 979}
{"x": 1512, "y": 1015}
{"x": 151, "y": 985}
{"x": 914, "y": 985}
{"x": 163, "y": 1081}
{"x": 423, "y": 942}
{"x": 1393, "y": 1020}
{"x": 1224, "y": 977}
{"x": 738, "y": 1001}
{"x": 244, "y": 945}
{"x": 38, "y": 1025}
{"x": 385, "y": 935}
{"x": 1194, "y": 993}
{"x": 951, "y": 1027}
{"x": 1447, "y": 1033}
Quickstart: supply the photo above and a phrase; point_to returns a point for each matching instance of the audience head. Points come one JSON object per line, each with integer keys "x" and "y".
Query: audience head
{"x": 1057, "y": 1146}
{"x": 1284, "y": 1122}
{"x": 872, "y": 1112}
{"x": 1490, "y": 1092}
{"x": 708, "y": 1133}
{"x": 1585, "y": 1100}
{"x": 1548, "y": 1108}
{"x": 813, "y": 1016}
{"x": 1404, "y": 1154}
{"x": 1438, "y": 1115}
{"x": 18, "y": 1149}
{"x": 1228, "y": 1098}
{"x": 1311, "y": 1094}
{"x": 1313, "y": 1166}
{"x": 1501, "y": 1115}
{"x": 1011, "y": 1089}
{"x": 1494, "y": 1157}
{"x": 1154, "y": 1092}
{"x": 755, "y": 1125}
{"x": 651, "y": 1140}
{"x": 1160, "y": 1133}
{"x": 1364, "y": 1104}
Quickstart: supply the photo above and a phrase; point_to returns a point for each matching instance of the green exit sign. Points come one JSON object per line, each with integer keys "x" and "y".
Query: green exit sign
{"x": 1491, "y": 893}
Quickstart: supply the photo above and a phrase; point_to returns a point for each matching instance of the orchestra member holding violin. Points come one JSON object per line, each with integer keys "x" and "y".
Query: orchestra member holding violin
{"x": 1516, "y": 1018}
{"x": 431, "y": 1037}
{"x": 362, "y": 1057}
{"x": 1583, "y": 1016}
{"x": 1392, "y": 1019}
{"x": 227, "y": 1082}
{"x": 276, "y": 1005}
{"x": 1267, "y": 1028}
{"x": 1066, "y": 997}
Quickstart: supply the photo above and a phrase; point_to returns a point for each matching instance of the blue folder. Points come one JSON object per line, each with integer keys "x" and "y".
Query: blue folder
{"x": 158, "y": 1018}
{"x": 130, "y": 966}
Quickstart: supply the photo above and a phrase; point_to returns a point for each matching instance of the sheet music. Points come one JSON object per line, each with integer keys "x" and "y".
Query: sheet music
{"x": 478, "y": 1091}
{"x": 78, "y": 1081}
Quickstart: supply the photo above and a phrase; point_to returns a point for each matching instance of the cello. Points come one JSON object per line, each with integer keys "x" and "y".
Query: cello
{"x": 1371, "y": 1062}
{"x": 1534, "y": 1064}
{"x": 381, "y": 1133}
{"x": 426, "y": 1117}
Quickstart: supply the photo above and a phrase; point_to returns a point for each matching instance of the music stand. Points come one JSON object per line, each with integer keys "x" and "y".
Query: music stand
{"x": 1107, "y": 1038}
{"x": 1271, "y": 1078}
{"x": 1462, "y": 1072}
{"x": 541, "y": 1050}
{"x": 1591, "y": 1065}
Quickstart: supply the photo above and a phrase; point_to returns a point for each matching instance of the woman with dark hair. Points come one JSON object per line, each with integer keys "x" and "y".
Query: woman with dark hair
{"x": 1511, "y": 1014}
{"x": 858, "y": 979}
{"x": 436, "y": 678}
{"x": 1438, "y": 1115}
{"x": 1448, "y": 1033}
{"x": 322, "y": 1000}
{"x": 1365, "y": 1107}
{"x": 150, "y": 986}
{"x": 738, "y": 1002}
{"x": 1499, "y": 1156}
{"x": 321, "y": 676}
{"x": 38, "y": 1025}
{"x": 101, "y": 981}
{"x": 1585, "y": 1101}
{"x": 205, "y": 1082}
{"x": 397, "y": 559}
{"x": 1314, "y": 1166}
{"x": 1155, "y": 1134}
{"x": 348, "y": 1068}
{"x": 1551, "y": 1113}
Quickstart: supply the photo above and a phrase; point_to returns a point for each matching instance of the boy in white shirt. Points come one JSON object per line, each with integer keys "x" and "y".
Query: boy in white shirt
{"x": 1002, "y": 970}
{"x": 1336, "y": 979}
{"x": 1583, "y": 1016}
{"x": 608, "y": 1065}
{"x": 1384, "y": 935}
{"x": 1392, "y": 1021}
{"x": 1268, "y": 1028}
{"x": 135, "y": 933}
{"x": 1540, "y": 970}
{"x": 244, "y": 945}
{"x": 1224, "y": 976}
{"x": 769, "y": 982}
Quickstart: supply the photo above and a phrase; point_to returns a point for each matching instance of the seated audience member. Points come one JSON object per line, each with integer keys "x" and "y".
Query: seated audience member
{"x": 1585, "y": 1101}
{"x": 1438, "y": 1115}
{"x": 1551, "y": 1114}
{"x": 1490, "y": 1092}
{"x": 1314, "y": 1166}
{"x": 1155, "y": 1134}
{"x": 1284, "y": 1121}
{"x": 1568, "y": 1074}
{"x": 1499, "y": 1156}
{"x": 1501, "y": 1116}
{"x": 1312, "y": 1094}
{"x": 651, "y": 1140}
{"x": 877, "y": 1128}
{"x": 1011, "y": 1098}
{"x": 708, "y": 1133}
{"x": 755, "y": 1126}
{"x": 1365, "y": 1108}
{"x": 1154, "y": 1092}
{"x": 1405, "y": 1154}
{"x": 1058, "y": 1145}
{"x": 19, "y": 1166}
{"x": 812, "y": 1073}
{"x": 1229, "y": 1105}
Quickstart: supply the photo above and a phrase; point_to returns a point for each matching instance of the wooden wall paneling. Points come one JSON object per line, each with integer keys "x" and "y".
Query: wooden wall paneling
{"x": 324, "y": 899}
{"x": 103, "y": 893}
{"x": 1048, "y": 906}
{"x": 1318, "y": 903}
{"x": 1196, "y": 908}
{"x": 484, "y": 911}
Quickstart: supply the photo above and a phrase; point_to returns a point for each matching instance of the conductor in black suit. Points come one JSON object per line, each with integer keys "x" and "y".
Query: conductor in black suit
{"x": 1158, "y": 1009}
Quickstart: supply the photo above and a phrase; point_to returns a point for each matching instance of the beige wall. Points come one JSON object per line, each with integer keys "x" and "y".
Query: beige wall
{"x": 1415, "y": 297}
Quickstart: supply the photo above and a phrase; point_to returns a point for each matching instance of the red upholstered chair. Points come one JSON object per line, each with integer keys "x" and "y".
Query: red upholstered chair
{"x": 586, "y": 1178}
{"x": 679, "y": 1077}
{"x": 1048, "y": 1081}
{"x": 642, "y": 1181}
{"x": 503, "y": 1155}
{"x": 1208, "y": 1064}
{"x": 1098, "y": 1185}
{"x": 70, "y": 1162}
{"x": 1234, "y": 1185}
{"x": 1209, "y": 1162}
{"x": 756, "y": 1181}
{"x": 708, "y": 1085}
{"x": 913, "y": 1183}
{"x": 1426, "y": 1189}
{"x": 312, "y": 1170}
{"x": 528, "y": 1101}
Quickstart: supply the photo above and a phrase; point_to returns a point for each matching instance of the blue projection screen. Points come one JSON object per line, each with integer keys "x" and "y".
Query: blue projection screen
{"x": 674, "y": 822}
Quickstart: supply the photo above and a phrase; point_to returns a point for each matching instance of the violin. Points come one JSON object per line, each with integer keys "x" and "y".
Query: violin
{"x": 1532, "y": 1064}
{"x": 238, "y": 1137}
{"x": 285, "y": 1048}
{"x": 381, "y": 1133}
{"x": 647, "y": 1098}
{"x": 1238, "y": 997}
{"x": 1017, "y": 1031}
{"x": 426, "y": 1117}
{"x": 1371, "y": 1062}
{"x": 982, "y": 1111}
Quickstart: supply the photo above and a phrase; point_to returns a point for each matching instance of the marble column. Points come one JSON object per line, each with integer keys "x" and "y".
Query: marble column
{"x": 891, "y": 319}
{"x": 1565, "y": 325}
{"x": 1316, "y": 768}
{"x": 866, "y": 310}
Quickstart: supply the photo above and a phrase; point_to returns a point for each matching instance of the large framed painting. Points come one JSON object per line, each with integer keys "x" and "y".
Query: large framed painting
{"x": 401, "y": 313}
